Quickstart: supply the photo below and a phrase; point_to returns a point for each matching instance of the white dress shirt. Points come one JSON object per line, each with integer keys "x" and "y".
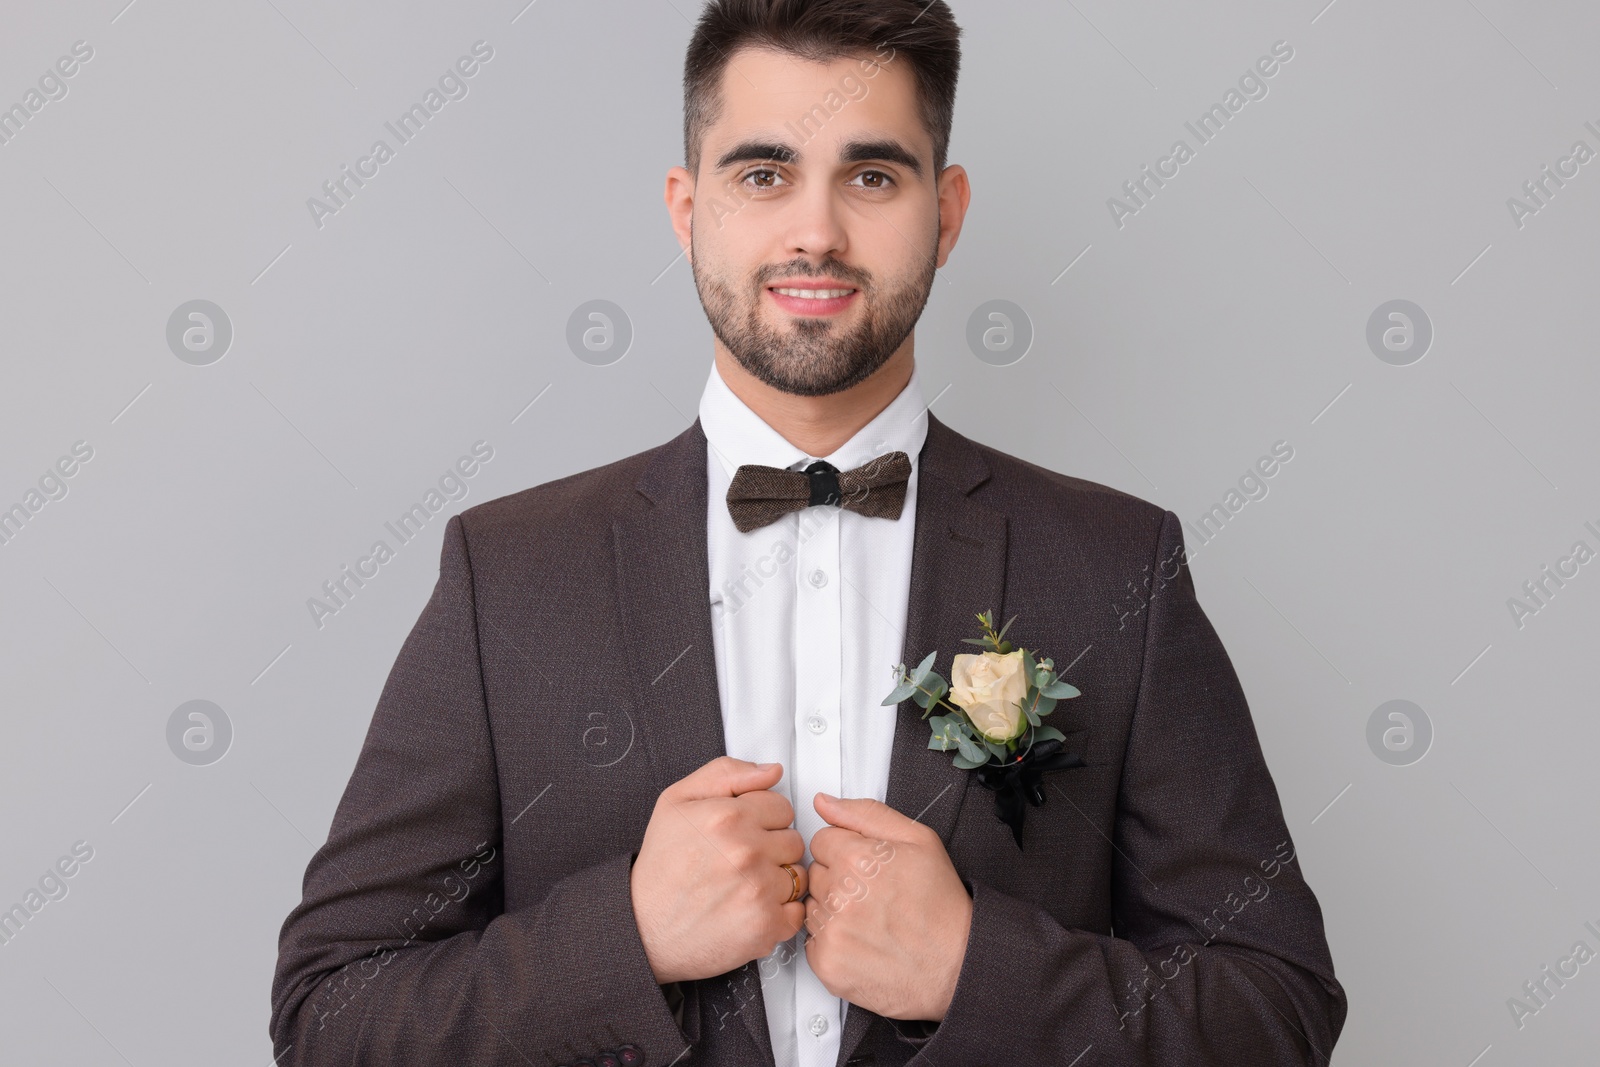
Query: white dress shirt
{"x": 808, "y": 618}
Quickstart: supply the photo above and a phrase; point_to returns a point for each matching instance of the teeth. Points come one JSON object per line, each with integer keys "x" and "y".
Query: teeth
{"x": 815, "y": 294}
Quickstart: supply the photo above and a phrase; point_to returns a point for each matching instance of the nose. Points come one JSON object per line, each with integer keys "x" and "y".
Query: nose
{"x": 813, "y": 224}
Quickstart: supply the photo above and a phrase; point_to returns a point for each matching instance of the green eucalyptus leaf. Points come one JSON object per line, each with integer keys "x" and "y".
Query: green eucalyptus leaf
{"x": 899, "y": 694}
{"x": 975, "y": 641}
{"x": 1061, "y": 690}
{"x": 973, "y": 751}
{"x": 1045, "y": 705}
{"x": 962, "y": 762}
{"x": 945, "y": 734}
{"x": 1007, "y": 626}
{"x": 923, "y": 667}
{"x": 1045, "y": 733}
{"x": 1033, "y": 716}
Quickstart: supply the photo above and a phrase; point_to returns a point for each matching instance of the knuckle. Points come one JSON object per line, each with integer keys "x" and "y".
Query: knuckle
{"x": 722, "y": 818}
{"x": 740, "y": 854}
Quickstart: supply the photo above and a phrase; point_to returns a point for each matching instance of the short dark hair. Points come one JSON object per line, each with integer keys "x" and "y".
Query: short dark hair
{"x": 922, "y": 33}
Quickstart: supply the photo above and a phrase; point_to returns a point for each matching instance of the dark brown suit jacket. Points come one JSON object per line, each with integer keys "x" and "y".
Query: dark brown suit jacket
{"x": 472, "y": 905}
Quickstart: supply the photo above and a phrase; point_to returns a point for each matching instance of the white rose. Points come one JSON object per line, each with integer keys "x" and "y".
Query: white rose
{"x": 990, "y": 688}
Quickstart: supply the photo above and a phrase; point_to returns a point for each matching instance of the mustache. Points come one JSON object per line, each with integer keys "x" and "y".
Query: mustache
{"x": 853, "y": 276}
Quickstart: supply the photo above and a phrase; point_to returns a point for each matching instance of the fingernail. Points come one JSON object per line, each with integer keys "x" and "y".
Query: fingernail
{"x": 765, "y": 766}
{"x": 827, "y": 796}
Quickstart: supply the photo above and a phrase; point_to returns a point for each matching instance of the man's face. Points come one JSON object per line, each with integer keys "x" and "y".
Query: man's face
{"x": 815, "y": 177}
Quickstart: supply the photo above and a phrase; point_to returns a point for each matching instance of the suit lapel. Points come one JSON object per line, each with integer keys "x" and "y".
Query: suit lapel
{"x": 663, "y": 598}
{"x": 663, "y": 592}
{"x": 958, "y": 568}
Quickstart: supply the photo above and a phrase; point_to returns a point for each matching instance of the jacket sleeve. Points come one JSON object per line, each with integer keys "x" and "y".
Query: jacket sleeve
{"x": 400, "y": 951}
{"x": 1219, "y": 955}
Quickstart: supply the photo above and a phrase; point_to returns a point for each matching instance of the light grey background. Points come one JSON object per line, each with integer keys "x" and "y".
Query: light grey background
{"x": 430, "y": 312}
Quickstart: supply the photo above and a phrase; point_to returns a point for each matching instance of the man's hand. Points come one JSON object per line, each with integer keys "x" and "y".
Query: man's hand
{"x": 888, "y": 914}
{"x": 708, "y": 893}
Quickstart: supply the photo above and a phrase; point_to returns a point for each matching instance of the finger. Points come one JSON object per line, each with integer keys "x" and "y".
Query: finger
{"x": 794, "y": 918}
{"x": 819, "y": 876}
{"x": 831, "y": 844}
{"x": 724, "y": 776}
{"x": 866, "y": 816}
{"x": 772, "y": 810}
{"x": 784, "y": 846}
{"x": 816, "y": 918}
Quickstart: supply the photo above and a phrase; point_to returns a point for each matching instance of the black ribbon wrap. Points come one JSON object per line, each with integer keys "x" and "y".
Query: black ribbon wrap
{"x": 1022, "y": 776}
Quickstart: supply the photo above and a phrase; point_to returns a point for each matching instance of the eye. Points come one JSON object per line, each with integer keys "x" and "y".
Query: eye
{"x": 884, "y": 180}
{"x": 762, "y": 183}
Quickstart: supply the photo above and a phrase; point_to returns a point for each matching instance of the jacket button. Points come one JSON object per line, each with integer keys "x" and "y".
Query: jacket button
{"x": 630, "y": 1056}
{"x": 607, "y": 1059}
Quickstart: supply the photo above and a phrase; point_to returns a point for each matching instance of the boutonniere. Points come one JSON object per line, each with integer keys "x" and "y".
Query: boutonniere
{"x": 997, "y": 705}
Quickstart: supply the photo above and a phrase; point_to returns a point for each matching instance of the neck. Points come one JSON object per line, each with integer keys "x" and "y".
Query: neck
{"x": 818, "y": 425}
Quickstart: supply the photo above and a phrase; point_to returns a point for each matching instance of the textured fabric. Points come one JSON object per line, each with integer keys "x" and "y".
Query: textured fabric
{"x": 472, "y": 902}
{"x": 760, "y": 495}
{"x": 808, "y": 615}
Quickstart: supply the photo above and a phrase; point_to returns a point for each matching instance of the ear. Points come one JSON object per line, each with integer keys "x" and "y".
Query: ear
{"x": 679, "y": 198}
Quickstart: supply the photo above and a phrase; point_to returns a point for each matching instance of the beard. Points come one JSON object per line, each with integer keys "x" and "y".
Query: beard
{"x": 814, "y": 356}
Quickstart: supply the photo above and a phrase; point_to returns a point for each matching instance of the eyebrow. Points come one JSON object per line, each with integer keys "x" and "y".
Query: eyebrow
{"x": 883, "y": 150}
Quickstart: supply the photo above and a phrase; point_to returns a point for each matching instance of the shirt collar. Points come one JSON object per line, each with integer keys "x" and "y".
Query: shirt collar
{"x": 737, "y": 435}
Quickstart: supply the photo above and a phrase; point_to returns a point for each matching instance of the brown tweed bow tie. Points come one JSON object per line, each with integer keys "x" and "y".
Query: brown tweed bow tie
{"x": 759, "y": 495}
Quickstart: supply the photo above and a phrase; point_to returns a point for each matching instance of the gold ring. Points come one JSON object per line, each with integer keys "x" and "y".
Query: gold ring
{"x": 794, "y": 894}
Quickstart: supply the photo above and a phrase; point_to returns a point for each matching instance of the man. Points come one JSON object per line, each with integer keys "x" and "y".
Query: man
{"x": 629, "y": 795}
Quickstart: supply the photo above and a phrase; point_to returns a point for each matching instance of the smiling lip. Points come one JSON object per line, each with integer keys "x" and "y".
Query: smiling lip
{"x": 813, "y": 305}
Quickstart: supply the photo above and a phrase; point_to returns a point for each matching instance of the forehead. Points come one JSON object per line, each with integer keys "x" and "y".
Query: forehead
{"x": 797, "y": 100}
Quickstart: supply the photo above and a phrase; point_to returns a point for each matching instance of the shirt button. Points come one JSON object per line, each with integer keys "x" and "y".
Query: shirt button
{"x": 819, "y": 577}
{"x": 819, "y": 1025}
{"x": 817, "y": 724}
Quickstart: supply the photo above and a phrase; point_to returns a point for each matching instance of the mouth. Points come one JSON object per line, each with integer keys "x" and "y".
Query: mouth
{"x": 810, "y": 297}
